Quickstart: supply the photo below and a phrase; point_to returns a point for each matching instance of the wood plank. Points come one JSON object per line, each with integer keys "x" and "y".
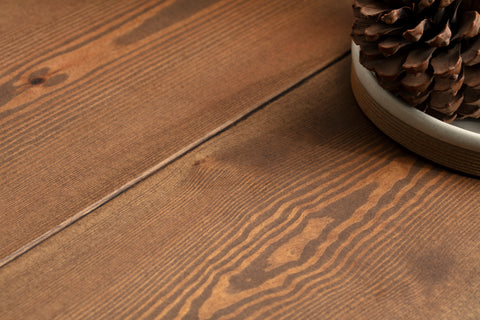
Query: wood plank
{"x": 95, "y": 93}
{"x": 302, "y": 211}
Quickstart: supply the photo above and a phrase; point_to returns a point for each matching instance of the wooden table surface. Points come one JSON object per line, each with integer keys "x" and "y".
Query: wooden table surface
{"x": 186, "y": 159}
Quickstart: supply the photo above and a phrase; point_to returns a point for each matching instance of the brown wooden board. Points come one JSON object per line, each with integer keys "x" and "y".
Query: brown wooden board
{"x": 302, "y": 211}
{"x": 93, "y": 94}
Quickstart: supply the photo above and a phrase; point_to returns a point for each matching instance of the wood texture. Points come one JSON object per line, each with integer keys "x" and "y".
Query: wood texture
{"x": 94, "y": 93}
{"x": 302, "y": 211}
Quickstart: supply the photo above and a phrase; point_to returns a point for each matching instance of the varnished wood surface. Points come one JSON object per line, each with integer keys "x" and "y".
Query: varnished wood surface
{"x": 304, "y": 210}
{"x": 94, "y": 94}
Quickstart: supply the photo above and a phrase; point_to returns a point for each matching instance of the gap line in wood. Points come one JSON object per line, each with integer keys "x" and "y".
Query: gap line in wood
{"x": 162, "y": 164}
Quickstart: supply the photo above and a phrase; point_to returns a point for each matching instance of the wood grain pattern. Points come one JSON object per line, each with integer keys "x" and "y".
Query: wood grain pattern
{"x": 302, "y": 211}
{"x": 94, "y": 93}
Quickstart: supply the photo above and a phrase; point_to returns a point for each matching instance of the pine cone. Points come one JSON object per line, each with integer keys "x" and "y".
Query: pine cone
{"x": 425, "y": 51}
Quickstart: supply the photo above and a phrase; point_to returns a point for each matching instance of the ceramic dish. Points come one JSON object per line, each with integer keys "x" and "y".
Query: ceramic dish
{"x": 455, "y": 145}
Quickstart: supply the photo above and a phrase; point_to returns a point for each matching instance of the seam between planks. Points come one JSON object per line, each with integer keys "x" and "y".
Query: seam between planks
{"x": 164, "y": 163}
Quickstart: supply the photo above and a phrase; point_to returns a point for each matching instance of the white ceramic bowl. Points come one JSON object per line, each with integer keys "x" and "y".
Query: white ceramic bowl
{"x": 455, "y": 145}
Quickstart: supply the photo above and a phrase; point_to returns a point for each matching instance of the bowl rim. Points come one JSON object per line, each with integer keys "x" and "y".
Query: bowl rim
{"x": 463, "y": 133}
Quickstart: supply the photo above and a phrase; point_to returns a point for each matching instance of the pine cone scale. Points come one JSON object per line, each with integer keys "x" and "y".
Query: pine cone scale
{"x": 447, "y": 63}
{"x": 415, "y": 34}
{"x": 417, "y": 83}
{"x": 472, "y": 76}
{"x": 396, "y": 15}
{"x": 445, "y": 84}
{"x": 391, "y": 46}
{"x": 418, "y": 60}
{"x": 471, "y": 55}
{"x": 442, "y": 39}
{"x": 472, "y": 96}
{"x": 470, "y": 26}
